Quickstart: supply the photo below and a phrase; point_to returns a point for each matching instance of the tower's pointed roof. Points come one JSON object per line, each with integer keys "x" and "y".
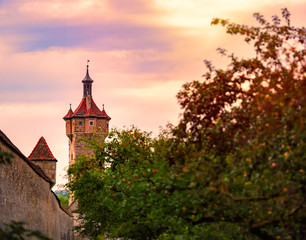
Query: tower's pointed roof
{"x": 103, "y": 111}
{"x": 83, "y": 110}
{"x": 87, "y": 107}
{"x": 42, "y": 151}
{"x": 87, "y": 78}
{"x": 69, "y": 114}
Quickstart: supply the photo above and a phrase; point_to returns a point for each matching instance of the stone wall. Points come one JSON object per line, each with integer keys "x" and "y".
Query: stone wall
{"x": 77, "y": 147}
{"x": 49, "y": 168}
{"x": 25, "y": 195}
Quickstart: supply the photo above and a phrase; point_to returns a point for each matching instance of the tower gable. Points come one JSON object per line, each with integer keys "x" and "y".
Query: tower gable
{"x": 43, "y": 157}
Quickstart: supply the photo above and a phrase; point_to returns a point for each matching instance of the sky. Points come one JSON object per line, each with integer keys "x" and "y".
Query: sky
{"x": 140, "y": 52}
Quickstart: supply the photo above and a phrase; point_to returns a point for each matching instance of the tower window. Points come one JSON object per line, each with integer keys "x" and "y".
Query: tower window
{"x": 91, "y": 123}
{"x": 80, "y": 123}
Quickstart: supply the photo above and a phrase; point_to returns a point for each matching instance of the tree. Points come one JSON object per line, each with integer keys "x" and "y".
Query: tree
{"x": 247, "y": 123}
{"x": 63, "y": 196}
{"x": 233, "y": 168}
{"x": 64, "y": 200}
{"x": 121, "y": 188}
{"x": 5, "y": 157}
{"x": 17, "y": 231}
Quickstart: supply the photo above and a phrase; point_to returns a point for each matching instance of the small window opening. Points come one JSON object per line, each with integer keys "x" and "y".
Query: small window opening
{"x": 91, "y": 123}
{"x": 80, "y": 123}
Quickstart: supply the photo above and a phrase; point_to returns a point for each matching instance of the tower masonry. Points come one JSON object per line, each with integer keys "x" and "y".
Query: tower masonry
{"x": 84, "y": 121}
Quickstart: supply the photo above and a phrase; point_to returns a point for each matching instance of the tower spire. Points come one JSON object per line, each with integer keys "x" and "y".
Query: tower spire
{"x": 87, "y": 83}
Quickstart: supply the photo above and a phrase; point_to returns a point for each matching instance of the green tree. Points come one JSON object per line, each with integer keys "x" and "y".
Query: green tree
{"x": 64, "y": 200}
{"x": 233, "y": 168}
{"x": 121, "y": 188}
{"x": 5, "y": 157}
{"x": 18, "y": 231}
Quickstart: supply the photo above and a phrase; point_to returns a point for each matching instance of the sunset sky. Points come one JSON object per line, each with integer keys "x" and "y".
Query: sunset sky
{"x": 140, "y": 52}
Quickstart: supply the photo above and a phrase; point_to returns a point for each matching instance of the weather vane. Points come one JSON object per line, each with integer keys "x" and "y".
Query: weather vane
{"x": 88, "y": 62}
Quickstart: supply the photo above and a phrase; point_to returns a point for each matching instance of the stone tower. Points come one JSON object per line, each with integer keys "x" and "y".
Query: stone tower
{"x": 43, "y": 157}
{"x": 85, "y": 120}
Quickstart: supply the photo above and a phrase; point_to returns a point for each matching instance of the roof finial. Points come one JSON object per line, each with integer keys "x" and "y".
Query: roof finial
{"x": 103, "y": 107}
{"x": 87, "y": 81}
{"x": 70, "y": 105}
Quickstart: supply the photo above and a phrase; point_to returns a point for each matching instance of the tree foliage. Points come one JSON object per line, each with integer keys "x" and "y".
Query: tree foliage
{"x": 64, "y": 200}
{"x": 233, "y": 168}
{"x": 5, "y": 157}
{"x": 18, "y": 231}
{"x": 124, "y": 178}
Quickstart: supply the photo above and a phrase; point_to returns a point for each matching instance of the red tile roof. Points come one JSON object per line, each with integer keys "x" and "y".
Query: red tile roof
{"x": 42, "y": 151}
{"x": 85, "y": 111}
{"x": 69, "y": 114}
{"x": 89, "y": 113}
{"x": 103, "y": 111}
{"x": 81, "y": 109}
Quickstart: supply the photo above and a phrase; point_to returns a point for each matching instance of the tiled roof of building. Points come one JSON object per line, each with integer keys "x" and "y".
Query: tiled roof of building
{"x": 87, "y": 107}
{"x": 81, "y": 109}
{"x": 69, "y": 114}
{"x": 103, "y": 111}
{"x": 85, "y": 111}
{"x": 42, "y": 151}
{"x": 89, "y": 113}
